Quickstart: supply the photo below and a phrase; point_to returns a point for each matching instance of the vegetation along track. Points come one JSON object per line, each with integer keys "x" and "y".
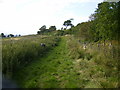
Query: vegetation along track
{"x": 66, "y": 66}
{"x": 47, "y": 72}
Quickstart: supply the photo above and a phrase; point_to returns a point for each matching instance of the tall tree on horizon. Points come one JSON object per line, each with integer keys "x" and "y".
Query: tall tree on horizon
{"x": 68, "y": 23}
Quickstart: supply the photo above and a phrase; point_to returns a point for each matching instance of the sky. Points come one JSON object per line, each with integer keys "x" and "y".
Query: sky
{"x": 27, "y": 16}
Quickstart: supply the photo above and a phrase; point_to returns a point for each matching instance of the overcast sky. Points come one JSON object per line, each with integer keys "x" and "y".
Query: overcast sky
{"x": 27, "y": 16}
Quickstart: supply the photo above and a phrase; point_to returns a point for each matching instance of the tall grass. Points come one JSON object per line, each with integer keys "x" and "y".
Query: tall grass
{"x": 69, "y": 65}
{"x": 17, "y": 52}
{"x": 96, "y": 65}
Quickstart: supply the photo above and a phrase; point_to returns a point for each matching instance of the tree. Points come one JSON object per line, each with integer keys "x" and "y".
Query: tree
{"x": 68, "y": 23}
{"x": 8, "y": 35}
{"x": 92, "y": 17}
{"x": 11, "y": 35}
{"x": 52, "y": 28}
{"x": 83, "y": 31}
{"x": 106, "y": 20}
{"x": 38, "y": 32}
{"x": 43, "y": 28}
{"x": 2, "y": 35}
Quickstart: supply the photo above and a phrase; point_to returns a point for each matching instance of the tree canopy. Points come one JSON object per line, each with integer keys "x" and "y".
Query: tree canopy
{"x": 52, "y": 28}
{"x": 43, "y": 28}
{"x": 68, "y": 23}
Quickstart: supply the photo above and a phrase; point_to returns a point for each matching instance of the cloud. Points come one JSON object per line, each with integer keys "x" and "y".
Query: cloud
{"x": 27, "y": 16}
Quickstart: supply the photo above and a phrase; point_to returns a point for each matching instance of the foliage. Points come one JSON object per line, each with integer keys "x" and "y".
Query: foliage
{"x": 70, "y": 66}
{"x": 45, "y": 31}
{"x": 87, "y": 60}
{"x": 2, "y": 35}
{"x": 52, "y": 28}
{"x": 68, "y": 23}
{"x": 60, "y": 33}
{"x": 11, "y": 35}
{"x": 106, "y": 20}
{"x": 103, "y": 24}
{"x": 43, "y": 28}
{"x": 17, "y": 52}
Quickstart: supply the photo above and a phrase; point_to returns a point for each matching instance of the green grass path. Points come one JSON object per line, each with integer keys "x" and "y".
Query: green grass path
{"x": 57, "y": 69}
{"x": 54, "y": 70}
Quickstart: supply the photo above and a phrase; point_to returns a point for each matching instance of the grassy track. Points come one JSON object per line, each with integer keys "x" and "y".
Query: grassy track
{"x": 52, "y": 70}
{"x": 67, "y": 66}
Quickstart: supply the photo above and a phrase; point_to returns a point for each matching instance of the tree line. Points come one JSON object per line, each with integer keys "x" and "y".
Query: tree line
{"x": 9, "y": 35}
{"x": 103, "y": 24}
{"x": 44, "y": 30}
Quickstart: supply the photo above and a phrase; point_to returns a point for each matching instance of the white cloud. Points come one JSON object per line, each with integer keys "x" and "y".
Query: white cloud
{"x": 27, "y": 16}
